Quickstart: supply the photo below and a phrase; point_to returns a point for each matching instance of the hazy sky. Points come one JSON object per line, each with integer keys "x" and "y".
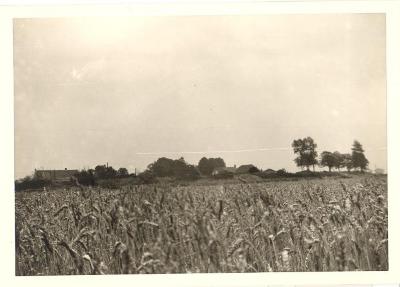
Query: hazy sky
{"x": 129, "y": 90}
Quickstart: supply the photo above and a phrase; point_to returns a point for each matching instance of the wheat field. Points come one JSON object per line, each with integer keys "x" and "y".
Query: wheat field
{"x": 305, "y": 225}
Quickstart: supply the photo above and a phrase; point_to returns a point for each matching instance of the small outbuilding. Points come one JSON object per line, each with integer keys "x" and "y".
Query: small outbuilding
{"x": 223, "y": 171}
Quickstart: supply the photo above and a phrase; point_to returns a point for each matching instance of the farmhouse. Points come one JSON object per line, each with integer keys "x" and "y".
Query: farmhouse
{"x": 56, "y": 175}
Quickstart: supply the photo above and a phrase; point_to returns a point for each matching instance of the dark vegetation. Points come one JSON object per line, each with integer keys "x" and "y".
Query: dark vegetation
{"x": 207, "y": 165}
{"x": 30, "y": 183}
{"x": 178, "y": 170}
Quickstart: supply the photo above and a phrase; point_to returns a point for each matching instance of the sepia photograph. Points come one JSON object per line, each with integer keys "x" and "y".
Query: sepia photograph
{"x": 200, "y": 144}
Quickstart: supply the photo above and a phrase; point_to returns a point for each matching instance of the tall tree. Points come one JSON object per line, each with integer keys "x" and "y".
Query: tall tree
{"x": 306, "y": 152}
{"x": 328, "y": 159}
{"x": 207, "y": 165}
{"x": 218, "y": 162}
{"x": 339, "y": 160}
{"x": 100, "y": 171}
{"x": 162, "y": 167}
{"x": 358, "y": 158}
{"x": 178, "y": 168}
{"x": 103, "y": 171}
{"x": 347, "y": 161}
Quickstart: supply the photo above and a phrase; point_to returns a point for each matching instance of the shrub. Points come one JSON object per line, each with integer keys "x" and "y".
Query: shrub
{"x": 189, "y": 172}
{"x": 86, "y": 177}
{"x": 281, "y": 172}
{"x": 147, "y": 177}
{"x": 31, "y": 183}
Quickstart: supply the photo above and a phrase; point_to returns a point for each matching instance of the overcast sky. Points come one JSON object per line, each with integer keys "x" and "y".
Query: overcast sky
{"x": 129, "y": 90}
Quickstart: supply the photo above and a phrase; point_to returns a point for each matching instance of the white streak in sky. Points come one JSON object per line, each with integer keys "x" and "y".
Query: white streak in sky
{"x": 229, "y": 151}
{"x": 214, "y": 151}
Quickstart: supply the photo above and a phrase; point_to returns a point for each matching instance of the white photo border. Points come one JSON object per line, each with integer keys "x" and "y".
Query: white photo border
{"x": 7, "y": 248}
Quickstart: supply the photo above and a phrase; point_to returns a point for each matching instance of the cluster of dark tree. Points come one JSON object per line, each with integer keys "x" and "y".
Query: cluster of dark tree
{"x": 207, "y": 165}
{"x": 90, "y": 176}
{"x": 29, "y": 182}
{"x": 180, "y": 169}
{"x": 307, "y": 155}
{"x": 177, "y": 168}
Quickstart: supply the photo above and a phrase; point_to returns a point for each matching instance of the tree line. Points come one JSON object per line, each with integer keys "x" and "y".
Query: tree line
{"x": 162, "y": 167}
{"x": 307, "y": 156}
{"x": 180, "y": 169}
{"x": 305, "y": 150}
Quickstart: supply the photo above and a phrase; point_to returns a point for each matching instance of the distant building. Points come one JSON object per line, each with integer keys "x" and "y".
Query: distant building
{"x": 223, "y": 170}
{"x": 56, "y": 175}
{"x": 379, "y": 171}
{"x": 247, "y": 168}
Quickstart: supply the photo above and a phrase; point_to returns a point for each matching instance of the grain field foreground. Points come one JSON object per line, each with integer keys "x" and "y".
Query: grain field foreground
{"x": 316, "y": 225}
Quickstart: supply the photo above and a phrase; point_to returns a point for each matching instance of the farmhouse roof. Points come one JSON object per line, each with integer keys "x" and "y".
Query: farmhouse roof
{"x": 54, "y": 173}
